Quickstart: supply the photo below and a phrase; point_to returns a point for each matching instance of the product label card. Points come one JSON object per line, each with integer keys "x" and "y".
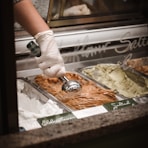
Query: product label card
{"x": 119, "y": 104}
{"x": 56, "y": 119}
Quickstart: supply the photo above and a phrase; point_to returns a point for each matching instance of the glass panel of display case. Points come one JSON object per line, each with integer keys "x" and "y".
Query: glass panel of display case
{"x": 69, "y": 12}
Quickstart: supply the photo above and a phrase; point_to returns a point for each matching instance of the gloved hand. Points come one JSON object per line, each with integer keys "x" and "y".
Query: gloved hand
{"x": 50, "y": 61}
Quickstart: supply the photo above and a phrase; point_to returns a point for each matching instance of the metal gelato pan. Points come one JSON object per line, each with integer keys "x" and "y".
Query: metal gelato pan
{"x": 91, "y": 94}
{"x": 123, "y": 81}
{"x": 139, "y": 64}
{"x": 33, "y": 103}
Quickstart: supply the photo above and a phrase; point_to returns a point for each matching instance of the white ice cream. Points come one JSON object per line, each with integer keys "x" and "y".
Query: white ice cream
{"x": 112, "y": 76}
{"x": 31, "y": 108}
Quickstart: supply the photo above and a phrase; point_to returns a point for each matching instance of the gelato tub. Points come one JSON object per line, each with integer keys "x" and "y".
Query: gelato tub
{"x": 33, "y": 105}
{"x": 139, "y": 64}
{"x": 115, "y": 78}
{"x": 89, "y": 95}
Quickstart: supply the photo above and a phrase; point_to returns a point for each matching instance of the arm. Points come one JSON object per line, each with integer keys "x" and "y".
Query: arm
{"x": 50, "y": 61}
{"x": 27, "y": 16}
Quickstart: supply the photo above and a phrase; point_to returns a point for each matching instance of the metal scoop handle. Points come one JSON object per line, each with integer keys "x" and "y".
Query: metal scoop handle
{"x": 64, "y": 79}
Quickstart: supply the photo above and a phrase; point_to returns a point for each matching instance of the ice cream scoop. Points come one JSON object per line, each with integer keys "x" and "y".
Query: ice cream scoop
{"x": 69, "y": 85}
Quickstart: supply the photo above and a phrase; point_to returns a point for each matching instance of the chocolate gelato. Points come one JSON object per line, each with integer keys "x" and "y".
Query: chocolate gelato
{"x": 89, "y": 95}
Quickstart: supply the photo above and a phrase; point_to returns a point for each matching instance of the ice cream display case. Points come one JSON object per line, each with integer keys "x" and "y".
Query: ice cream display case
{"x": 108, "y": 82}
{"x": 95, "y": 53}
{"x": 105, "y": 50}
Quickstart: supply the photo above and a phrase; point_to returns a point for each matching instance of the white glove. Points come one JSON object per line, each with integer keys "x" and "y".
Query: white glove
{"x": 50, "y": 61}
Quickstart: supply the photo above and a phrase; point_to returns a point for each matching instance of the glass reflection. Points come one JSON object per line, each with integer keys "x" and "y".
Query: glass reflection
{"x": 78, "y": 8}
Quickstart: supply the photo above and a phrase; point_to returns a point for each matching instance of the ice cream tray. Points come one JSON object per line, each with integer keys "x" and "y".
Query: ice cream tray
{"x": 98, "y": 72}
{"x": 140, "y": 65}
{"x": 34, "y": 107}
{"x": 31, "y": 79}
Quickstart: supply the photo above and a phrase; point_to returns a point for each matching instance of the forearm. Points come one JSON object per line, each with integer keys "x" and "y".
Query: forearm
{"x": 27, "y": 16}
